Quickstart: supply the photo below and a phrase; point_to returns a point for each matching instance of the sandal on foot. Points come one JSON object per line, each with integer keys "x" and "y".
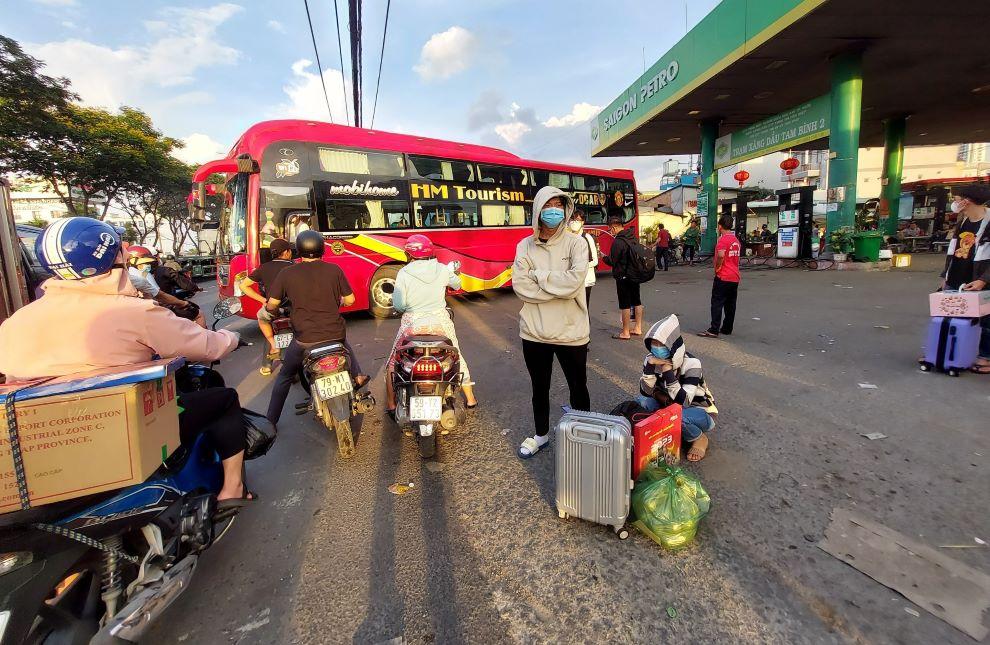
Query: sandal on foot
{"x": 980, "y": 369}
{"x": 237, "y": 502}
{"x": 707, "y": 334}
{"x": 698, "y": 452}
{"x": 471, "y": 407}
{"x": 618, "y": 337}
{"x": 529, "y": 444}
{"x": 361, "y": 380}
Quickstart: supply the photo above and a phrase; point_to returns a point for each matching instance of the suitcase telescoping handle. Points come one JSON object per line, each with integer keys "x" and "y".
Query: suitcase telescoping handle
{"x": 587, "y": 434}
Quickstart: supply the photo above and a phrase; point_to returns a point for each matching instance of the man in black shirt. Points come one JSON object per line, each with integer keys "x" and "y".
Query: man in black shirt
{"x": 317, "y": 290}
{"x": 264, "y": 276}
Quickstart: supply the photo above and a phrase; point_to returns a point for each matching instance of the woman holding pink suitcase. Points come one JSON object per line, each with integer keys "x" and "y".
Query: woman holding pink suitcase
{"x": 967, "y": 262}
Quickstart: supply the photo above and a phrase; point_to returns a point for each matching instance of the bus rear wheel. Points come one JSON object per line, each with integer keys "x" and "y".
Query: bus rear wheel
{"x": 382, "y": 286}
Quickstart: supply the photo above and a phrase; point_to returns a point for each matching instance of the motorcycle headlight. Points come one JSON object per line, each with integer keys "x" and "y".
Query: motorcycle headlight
{"x": 14, "y": 560}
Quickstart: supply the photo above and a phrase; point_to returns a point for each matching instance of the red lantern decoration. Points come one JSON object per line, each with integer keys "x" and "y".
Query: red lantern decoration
{"x": 741, "y": 176}
{"x": 789, "y": 165}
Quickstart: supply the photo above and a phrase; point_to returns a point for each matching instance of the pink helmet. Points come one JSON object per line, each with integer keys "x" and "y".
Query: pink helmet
{"x": 419, "y": 247}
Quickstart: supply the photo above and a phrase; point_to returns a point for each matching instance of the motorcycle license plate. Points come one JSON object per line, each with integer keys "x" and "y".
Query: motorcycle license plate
{"x": 425, "y": 408}
{"x": 282, "y": 340}
{"x": 334, "y": 385}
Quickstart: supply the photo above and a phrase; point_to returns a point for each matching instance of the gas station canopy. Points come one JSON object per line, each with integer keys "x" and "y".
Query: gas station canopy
{"x": 748, "y": 60}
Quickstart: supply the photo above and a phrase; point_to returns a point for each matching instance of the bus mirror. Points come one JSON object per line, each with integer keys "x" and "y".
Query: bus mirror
{"x": 246, "y": 164}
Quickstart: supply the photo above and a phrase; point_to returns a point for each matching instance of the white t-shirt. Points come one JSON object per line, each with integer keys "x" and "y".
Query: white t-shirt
{"x": 144, "y": 283}
{"x": 590, "y": 279}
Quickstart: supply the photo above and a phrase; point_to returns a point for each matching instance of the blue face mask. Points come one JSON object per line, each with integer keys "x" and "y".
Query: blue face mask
{"x": 660, "y": 352}
{"x": 552, "y": 217}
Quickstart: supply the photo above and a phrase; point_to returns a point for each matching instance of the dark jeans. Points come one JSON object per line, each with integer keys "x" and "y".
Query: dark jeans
{"x": 663, "y": 258}
{"x": 688, "y": 253}
{"x": 985, "y": 337}
{"x": 723, "y": 300}
{"x": 587, "y": 301}
{"x": 292, "y": 362}
{"x": 216, "y": 412}
{"x": 573, "y": 362}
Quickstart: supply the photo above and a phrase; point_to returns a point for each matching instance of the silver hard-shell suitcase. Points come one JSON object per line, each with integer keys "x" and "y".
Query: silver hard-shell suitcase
{"x": 594, "y": 466}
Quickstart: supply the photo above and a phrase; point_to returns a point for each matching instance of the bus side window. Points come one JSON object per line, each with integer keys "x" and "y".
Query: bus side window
{"x": 594, "y": 214}
{"x": 435, "y": 214}
{"x": 442, "y": 169}
{"x": 503, "y": 215}
{"x": 285, "y": 212}
{"x": 559, "y": 180}
{"x": 503, "y": 176}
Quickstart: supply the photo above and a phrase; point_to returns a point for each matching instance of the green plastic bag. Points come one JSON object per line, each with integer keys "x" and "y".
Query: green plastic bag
{"x": 669, "y": 503}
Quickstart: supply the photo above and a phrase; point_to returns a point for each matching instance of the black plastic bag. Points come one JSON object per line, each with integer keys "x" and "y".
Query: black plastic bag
{"x": 259, "y": 434}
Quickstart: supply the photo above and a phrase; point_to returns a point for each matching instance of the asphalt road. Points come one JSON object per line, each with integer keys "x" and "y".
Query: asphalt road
{"x": 475, "y": 551}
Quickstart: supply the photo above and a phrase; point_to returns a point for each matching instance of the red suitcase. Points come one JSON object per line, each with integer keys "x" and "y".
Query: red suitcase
{"x": 657, "y": 437}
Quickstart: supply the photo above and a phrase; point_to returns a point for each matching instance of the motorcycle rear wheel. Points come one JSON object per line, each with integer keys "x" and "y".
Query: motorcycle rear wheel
{"x": 427, "y": 445}
{"x": 345, "y": 438}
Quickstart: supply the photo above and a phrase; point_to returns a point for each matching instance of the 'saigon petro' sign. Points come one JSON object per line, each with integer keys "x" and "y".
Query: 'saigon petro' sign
{"x": 647, "y": 90}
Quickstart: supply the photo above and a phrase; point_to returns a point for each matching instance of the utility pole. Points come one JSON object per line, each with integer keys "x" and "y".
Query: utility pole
{"x": 355, "y": 28}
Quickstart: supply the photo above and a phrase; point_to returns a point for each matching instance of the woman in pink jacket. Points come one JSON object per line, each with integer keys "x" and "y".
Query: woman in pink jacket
{"x": 91, "y": 317}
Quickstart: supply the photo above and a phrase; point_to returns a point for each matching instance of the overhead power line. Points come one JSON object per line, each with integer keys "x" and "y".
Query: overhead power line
{"x": 319, "y": 66}
{"x": 355, "y": 25}
{"x": 340, "y": 49}
{"x": 374, "y": 106}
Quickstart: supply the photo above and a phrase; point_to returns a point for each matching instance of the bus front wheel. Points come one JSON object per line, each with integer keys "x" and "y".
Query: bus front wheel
{"x": 382, "y": 286}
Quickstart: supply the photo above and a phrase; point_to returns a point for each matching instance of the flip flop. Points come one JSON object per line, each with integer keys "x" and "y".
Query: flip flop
{"x": 237, "y": 502}
{"x": 529, "y": 443}
{"x": 980, "y": 369}
{"x": 707, "y": 334}
{"x": 358, "y": 384}
{"x": 470, "y": 407}
{"x": 618, "y": 337}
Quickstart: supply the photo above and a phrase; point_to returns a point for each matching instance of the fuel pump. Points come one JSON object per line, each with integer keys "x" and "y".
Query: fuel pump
{"x": 795, "y": 219}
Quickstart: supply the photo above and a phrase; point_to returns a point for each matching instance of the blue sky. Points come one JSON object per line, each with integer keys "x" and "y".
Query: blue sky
{"x": 520, "y": 75}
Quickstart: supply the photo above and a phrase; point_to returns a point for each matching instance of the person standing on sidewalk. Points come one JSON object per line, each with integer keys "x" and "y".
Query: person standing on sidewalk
{"x": 663, "y": 247}
{"x": 548, "y": 275}
{"x": 577, "y": 227}
{"x": 967, "y": 261}
{"x": 691, "y": 239}
{"x": 626, "y": 289}
{"x": 726, "y": 285}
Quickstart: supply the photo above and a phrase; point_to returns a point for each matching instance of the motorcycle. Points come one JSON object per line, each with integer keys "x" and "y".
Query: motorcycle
{"x": 426, "y": 379}
{"x": 101, "y": 568}
{"x": 333, "y": 398}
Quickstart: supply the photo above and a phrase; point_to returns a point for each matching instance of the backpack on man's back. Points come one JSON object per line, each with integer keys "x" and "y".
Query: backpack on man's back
{"x": 641, "y": 265}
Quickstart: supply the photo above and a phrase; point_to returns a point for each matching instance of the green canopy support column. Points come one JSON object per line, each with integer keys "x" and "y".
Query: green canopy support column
{"x": 893, "y": 166}
{"x": 843, "y": 139}
{"x": 708, "y": 195}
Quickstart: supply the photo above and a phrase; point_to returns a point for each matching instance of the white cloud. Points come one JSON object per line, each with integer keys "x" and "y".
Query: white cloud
{"x": 512, "y": 132}
{"x": 68, "y": 24}
{"x": 275, "y": 25}
{"x": 305, "y": 94}
{"x": 580, "y": 113}
{"x": 446, "y": 54}
{"x": 199, "y": 148}
{"x": 184, "y": 41}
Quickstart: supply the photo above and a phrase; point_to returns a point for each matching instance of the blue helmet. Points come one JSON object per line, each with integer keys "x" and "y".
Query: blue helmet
{"x": 73, "y": 248}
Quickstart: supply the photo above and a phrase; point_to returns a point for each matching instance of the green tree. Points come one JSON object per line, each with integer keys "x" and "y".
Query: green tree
{"x": 37, "y": 222}
{"x": 32, "y": 106}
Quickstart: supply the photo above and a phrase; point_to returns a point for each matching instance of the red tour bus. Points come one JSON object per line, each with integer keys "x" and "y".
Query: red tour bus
{"x": 366, "y": 191}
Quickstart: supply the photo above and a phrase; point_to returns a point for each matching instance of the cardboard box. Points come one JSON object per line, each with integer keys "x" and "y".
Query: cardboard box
{"x": 657, "y": 438}
{"x": 90, "y": 433}
{"x": 959, "y": 304}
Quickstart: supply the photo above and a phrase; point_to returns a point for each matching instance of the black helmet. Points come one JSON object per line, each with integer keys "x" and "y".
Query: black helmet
{"x": 309, "y": 244}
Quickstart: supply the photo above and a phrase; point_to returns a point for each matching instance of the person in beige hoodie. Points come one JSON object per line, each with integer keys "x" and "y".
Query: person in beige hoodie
{"x": 92, "y": 317}
{"x": 548, "y": 275}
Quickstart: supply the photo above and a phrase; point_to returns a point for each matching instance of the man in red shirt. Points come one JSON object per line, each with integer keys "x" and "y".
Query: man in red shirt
{"x": 663, "y": 247}
{"x": 726, "y": 285}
